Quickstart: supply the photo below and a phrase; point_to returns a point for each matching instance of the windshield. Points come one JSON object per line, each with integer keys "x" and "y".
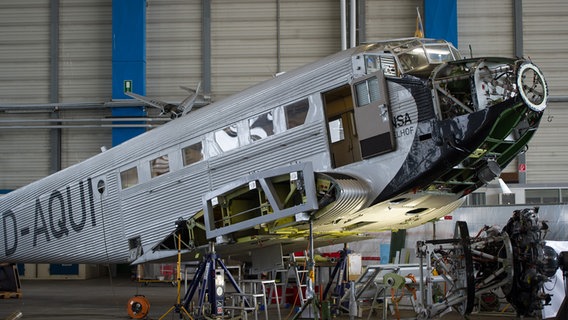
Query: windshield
{"x": 441, "y": 53}
{"x": 412, "y": 55}
{"x": 424, "y": 54}
{"x": 413, "y": 59}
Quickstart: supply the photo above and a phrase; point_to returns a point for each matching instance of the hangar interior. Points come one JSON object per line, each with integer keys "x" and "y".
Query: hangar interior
{"x": 62, "y": 82}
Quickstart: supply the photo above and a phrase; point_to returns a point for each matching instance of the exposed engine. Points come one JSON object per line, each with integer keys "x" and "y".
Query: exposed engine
{"x": 534, "y": 262}
{"x": 515, "y": 260}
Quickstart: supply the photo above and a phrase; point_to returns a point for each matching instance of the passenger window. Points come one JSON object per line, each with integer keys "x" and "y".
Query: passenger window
{"x": 192, "y": 154}
{"x": 227, "y": 138}
{"x": 128, "y": 178}
{"x": 261, "y": 127}
{"x": 296, "y": 113}
{"x": 159, "y": 166}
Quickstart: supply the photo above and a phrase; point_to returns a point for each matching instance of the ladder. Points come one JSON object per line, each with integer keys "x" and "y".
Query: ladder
{"x": 301, "y": 273}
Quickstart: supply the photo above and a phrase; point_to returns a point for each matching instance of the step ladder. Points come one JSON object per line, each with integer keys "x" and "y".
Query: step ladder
{"x": 301, "y": 273}
{"x": 281, "y": 276}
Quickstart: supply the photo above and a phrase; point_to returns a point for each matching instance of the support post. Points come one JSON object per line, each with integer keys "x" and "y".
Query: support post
{"x": 177, "y": 307}
{"x": 310, "y": 292}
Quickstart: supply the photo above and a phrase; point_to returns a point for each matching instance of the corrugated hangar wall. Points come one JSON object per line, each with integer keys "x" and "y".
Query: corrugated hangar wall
{"x": 84, "y": 73}
{"x": 486, "y": 28}
{"x": 250, "y": 41}
{"x": 24, "y": 78}
{"x": 545, "y": 31}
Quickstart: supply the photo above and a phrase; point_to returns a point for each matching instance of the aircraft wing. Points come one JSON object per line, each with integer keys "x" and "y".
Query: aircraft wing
{"x": 147, "y": 101}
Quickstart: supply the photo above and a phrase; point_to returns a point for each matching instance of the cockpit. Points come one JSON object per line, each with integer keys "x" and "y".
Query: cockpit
{"x": 417, "y": 56}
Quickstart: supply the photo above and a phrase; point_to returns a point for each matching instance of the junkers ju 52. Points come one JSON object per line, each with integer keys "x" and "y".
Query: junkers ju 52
{"x": 382, "y": 136}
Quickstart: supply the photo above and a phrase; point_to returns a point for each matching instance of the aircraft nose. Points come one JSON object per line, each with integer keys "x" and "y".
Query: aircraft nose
{"x": 532, "y": 86}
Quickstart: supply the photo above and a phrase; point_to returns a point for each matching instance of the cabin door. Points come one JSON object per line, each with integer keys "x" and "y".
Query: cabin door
{"x": 343, "y": 141}
{"x": 372, "y": 115}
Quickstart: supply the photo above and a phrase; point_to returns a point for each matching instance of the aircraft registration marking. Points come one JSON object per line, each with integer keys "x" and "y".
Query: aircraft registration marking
{"x": 54, "y": 217}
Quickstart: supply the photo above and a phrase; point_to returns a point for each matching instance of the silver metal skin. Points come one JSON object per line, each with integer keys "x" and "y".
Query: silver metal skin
{"x": 411, "y": 159}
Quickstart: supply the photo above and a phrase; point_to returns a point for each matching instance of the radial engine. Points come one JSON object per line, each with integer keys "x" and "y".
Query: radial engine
{"x": 515, "y": 260}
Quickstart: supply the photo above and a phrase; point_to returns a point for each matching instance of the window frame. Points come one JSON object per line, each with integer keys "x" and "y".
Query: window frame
{"x": 123, "y": 181}
{"x": 201, "y": 152}
{"x": 152, "y": 169}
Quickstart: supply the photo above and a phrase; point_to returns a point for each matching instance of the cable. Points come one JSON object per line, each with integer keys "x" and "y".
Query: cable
{"x": 101, "y": 192}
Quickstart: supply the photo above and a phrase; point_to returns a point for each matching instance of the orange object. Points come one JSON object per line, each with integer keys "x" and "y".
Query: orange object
{"x": 138, "y": 307}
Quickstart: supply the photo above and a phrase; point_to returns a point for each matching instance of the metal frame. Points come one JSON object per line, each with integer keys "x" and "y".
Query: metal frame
{"x": 304, "y": 172}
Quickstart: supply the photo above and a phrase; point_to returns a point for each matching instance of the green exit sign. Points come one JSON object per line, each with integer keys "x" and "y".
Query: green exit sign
{"x": 127, "y": 85}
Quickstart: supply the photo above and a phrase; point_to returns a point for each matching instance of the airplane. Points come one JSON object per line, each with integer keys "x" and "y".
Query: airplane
{"x": 382, "y": 136}
{"x": 174, "y": 110}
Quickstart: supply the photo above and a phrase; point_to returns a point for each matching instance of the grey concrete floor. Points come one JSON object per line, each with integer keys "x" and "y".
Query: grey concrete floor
{"x": 103, "y": 298}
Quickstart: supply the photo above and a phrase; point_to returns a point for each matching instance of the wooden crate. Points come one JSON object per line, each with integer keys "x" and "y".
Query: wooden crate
{"x": 10, "y": 295}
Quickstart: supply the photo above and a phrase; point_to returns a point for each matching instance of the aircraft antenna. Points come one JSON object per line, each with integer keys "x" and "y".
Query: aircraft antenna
{"x": 470, "y": 51}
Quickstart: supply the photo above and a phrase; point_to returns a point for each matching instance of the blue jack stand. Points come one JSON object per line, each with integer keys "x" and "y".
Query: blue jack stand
{"x": 341, "y": 276}
{"x": 206, "y": 277}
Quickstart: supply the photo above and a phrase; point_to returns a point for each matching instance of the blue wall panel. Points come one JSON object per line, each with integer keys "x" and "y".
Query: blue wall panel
{"x": 128, "y": 60}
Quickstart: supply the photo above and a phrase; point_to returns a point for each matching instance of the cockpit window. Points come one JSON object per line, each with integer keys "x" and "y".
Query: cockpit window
{"x": 412, "y": 55}
{"x": 384, "y": 63}
{"x": 440, "y": 53}
{"x": 413, "y": 59}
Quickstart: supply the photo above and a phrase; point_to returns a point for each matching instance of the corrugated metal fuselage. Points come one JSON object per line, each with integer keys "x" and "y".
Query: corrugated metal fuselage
{"x": 83, "y": 214}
